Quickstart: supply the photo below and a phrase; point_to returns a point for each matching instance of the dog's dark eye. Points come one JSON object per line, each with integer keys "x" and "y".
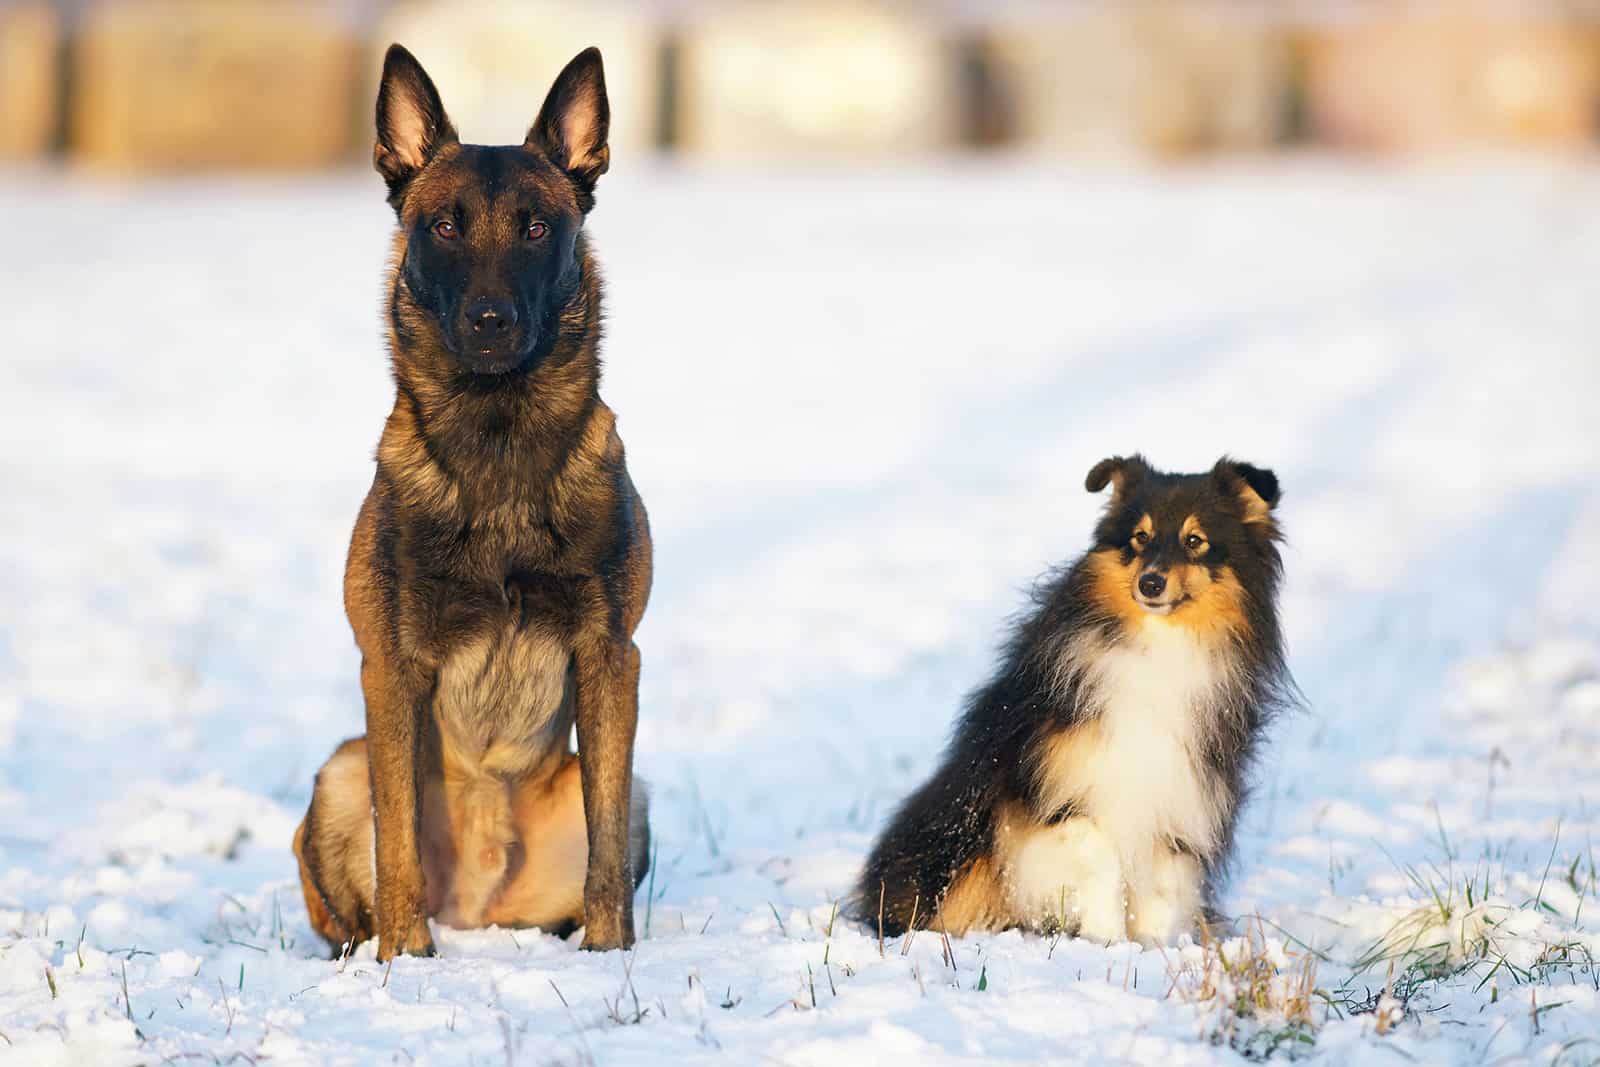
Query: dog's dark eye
{"x": 537, "y": 230}
{"x": 1194, "y": 542}
{"x": 445, "y": 229}
{"x": 1140, "y": 539}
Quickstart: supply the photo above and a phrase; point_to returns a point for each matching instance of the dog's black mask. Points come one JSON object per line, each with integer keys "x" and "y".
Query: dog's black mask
{"x": 490, "y": 254}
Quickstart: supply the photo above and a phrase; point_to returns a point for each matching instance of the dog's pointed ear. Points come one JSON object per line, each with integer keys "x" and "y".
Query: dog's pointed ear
{"x": 412, "y": 125}
{"x": 1121, "y": 472}
{"x": 1256, "y": 488}
{"x": 575, "y": 122}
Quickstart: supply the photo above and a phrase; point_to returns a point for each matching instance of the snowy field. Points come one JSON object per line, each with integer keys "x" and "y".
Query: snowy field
{"x": 860, "y": 407}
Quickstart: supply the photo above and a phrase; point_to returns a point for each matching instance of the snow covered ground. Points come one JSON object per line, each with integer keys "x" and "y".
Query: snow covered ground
{"x": 860, "y": 406}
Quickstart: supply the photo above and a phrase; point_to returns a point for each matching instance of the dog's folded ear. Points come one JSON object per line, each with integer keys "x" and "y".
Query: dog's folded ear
{"x": 1256, "y": 488}
{"x": 1122, "y": 472}
{"x": 412, "y": 125}
{"x": 573, "y": 126}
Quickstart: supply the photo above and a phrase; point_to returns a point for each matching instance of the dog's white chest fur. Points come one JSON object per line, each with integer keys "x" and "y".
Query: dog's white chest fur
{"x": 1133, "y": 766}
{"x": 1131, "y": 777}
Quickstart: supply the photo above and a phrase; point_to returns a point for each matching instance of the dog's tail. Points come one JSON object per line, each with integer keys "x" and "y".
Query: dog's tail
{"x": 484, "y": 833}
{"x": 333, "y": 847}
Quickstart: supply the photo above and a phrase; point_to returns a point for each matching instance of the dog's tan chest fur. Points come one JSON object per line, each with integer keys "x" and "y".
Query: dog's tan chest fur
{"x": 499, "y": 696}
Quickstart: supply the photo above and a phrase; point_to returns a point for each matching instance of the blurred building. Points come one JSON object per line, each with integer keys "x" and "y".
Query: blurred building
{"x": 30, "y": 79}
{"x": 230, "y": 83}
{"x": 494, "y": 61}
{"x": 783, "y": 80}
{"x": 1140, "y": 77}
{"x": 162, "y": 85}
{"x": 1417, "y": 77}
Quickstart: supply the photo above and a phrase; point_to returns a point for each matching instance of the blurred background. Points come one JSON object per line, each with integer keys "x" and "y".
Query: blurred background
{"x": 172, "y": 85}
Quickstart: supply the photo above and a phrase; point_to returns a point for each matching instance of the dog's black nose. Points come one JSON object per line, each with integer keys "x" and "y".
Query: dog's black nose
{"x": 490, "y": 317}
{"x": 1152, "y": 585}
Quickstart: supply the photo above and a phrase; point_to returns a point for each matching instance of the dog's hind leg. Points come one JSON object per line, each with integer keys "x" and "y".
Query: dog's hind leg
{"x": 334, "y": 847}
{"x": 976, "y": 900}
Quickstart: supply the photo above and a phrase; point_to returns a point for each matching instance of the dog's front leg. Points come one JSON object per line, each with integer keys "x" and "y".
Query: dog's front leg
{"x": 608, "y": 713}
{"x": 396, "y": 701}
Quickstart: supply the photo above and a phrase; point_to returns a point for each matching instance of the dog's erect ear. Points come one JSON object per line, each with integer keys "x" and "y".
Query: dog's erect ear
{"x": 1121, "y": 472}
{"x": 412, "y": 125}
{"x": 573, "y": 125}
{"x": 1256, "y": 488}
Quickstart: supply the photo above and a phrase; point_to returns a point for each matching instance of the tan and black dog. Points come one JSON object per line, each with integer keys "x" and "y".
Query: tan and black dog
{"x": 501, "y": 560}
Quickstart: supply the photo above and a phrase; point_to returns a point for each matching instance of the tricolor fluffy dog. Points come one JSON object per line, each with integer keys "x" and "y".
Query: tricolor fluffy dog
{"x": 1093, "y": 784}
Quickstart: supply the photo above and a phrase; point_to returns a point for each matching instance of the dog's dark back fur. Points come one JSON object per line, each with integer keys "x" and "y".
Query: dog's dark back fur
{"x": 946, "y": 824}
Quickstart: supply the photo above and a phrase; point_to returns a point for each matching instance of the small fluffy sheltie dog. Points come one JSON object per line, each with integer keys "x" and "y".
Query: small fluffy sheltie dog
{"x": 1092, "y": 786}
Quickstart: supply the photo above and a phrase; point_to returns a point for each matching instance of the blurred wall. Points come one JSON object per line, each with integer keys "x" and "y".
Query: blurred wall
{"x": 30, "y": 77}
{"x": 162, "y": 85}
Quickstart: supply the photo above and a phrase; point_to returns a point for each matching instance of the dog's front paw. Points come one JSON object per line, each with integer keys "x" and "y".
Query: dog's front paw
{"x": 604, "y": 936}
{"x": 1159, "y": 921}
{"x": 417, "y": 941}
{"x": 1103, "y": 919}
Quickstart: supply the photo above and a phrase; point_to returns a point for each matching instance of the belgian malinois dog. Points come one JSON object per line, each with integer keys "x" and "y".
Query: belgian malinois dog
{"x": 501, "y": 560}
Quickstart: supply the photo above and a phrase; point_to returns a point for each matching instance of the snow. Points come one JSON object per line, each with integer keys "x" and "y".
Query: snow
{"x": 859, "y": 405}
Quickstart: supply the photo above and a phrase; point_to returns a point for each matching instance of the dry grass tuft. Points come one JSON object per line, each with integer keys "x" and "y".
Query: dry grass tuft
{"x": 1257, "y": 995}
